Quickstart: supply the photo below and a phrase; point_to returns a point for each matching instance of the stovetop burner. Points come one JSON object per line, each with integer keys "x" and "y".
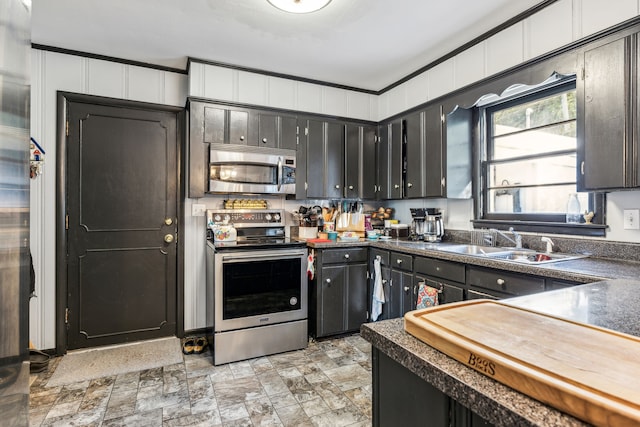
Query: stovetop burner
{"x": 255, "y": 228}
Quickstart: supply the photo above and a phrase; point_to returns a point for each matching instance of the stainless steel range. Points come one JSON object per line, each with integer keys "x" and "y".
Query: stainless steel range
{"x": 256, "y": 287}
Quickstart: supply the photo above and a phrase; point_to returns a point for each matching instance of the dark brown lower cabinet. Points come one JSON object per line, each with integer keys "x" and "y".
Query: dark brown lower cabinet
{"x": 401, "y": 398}
{"x": 338, "y": 295}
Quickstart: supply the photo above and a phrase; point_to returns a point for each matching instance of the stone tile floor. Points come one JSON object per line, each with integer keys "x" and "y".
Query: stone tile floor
{"x": 326, "y": 384}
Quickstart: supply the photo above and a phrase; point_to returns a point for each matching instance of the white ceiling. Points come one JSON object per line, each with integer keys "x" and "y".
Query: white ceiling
{"x": 367, "y": 44}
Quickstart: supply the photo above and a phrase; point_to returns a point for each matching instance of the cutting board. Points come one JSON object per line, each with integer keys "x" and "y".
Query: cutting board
{"x": 589, "y": 372}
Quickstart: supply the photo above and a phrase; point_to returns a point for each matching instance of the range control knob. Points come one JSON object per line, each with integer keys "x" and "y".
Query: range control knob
{"x": 227, "y": 217}
{"x": 217, "y": 218}
{"x": 276, "y": 217}
{"x": 267, "y": 217}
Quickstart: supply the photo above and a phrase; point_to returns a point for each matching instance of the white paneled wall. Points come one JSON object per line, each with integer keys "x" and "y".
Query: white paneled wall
{"x": 225, "y": 84}
{"x": 557, "y": 25}
{"x": 553, "y": 27}
{"x": 53, "y": 72}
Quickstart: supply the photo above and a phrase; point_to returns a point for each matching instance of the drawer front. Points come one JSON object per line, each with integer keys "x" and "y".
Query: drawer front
{"x": 501, "y": 281}
{"x": 400, "y": 261}
{"x": 346, "y": 255}
{"x": 439, "y": 268}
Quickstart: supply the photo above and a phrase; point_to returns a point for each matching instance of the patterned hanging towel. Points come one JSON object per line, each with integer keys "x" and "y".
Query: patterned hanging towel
{"x": 310, "y": 268}
{"x": 427, "y": 296}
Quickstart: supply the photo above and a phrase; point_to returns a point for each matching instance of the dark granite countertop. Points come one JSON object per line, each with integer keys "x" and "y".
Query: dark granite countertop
{"x": 611, "y": 304}
{"x": 583, "y": 270}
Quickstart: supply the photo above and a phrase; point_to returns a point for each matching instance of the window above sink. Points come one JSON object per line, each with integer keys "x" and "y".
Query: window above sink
{"x": 528, "y": 160}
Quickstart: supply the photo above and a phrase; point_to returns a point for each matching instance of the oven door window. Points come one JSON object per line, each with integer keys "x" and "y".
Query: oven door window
{"x": 253, "y": 288}
{"x": 243, "y": 173}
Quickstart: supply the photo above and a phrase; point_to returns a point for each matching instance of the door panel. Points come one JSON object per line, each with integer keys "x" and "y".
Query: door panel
{"x": 315, "y": 159}
{"x": 433, "y": 157}
{"x": 414, "y": 133}
{"x": 334, "y": 152}
{"x": 122, "y": 203}
{"x": 397, "y": 161}
{"x": 332, "y": 304}
{"x": 353, "y": 160}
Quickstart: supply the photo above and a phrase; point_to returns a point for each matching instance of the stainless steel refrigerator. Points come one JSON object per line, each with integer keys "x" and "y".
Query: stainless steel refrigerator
{"x": 15, "y": 41}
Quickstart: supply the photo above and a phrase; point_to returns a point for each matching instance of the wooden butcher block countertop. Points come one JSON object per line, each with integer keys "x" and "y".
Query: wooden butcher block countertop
{"x": 584, "y": 370}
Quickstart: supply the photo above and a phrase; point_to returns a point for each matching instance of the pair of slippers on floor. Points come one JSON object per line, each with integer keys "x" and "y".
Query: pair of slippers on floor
{"x": 194, "y": 345}
{"x": 39, "y": 361}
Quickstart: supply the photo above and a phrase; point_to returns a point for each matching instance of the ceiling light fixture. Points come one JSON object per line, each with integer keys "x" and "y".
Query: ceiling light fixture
{"x": 299, "y": 6}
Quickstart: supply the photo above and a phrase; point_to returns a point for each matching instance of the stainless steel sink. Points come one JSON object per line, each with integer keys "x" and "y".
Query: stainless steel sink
{"x": 532, "y": 257}
{"x": 526, "y": 256}
{"x": 475, "y": 250}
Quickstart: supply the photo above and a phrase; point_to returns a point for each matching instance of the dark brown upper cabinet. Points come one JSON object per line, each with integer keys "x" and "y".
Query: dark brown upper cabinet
{"x": 360, "y": 161}
{"x": 608, "y": 119}
{"x": 413, "y": 133}
{"x": 434, "y": 161}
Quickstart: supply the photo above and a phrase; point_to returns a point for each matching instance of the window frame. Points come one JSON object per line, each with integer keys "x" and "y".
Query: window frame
{"x": 527, "y": 221}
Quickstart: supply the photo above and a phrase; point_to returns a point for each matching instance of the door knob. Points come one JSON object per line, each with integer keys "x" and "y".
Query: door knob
{"x": 168, "y": 238}
{"x": 168, "y": 221}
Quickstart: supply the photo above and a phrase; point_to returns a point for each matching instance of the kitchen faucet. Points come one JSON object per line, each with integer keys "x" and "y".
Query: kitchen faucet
{"x": 517, "y": 238}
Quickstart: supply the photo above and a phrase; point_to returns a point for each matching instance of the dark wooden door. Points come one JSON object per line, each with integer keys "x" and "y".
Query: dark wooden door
{"x": 357, "y": 298}
{"x": 122, "y": 207}
{"x": 433, "y": 158}
{"x": 369, "y": 170}
{"x": 264, "y": 130}
{"x": 606, "y": 101}
{"x": 397, "y": 160}
{"x": 414, "y": 133}
{"x": 331, "y": 316}
{"x": 334, "y": 152}
{"x": 384, "y": 162}
{"x": 353, "y": 160}
{"x": 315, "y": 159}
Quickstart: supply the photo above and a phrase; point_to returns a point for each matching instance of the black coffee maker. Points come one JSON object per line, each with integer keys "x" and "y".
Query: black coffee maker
{"x": 427, "y": 224}
{"x": 418, "y": 226}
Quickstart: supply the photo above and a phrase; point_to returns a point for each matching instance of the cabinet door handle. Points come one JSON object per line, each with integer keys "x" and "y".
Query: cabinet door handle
{"x": 582, "y": 167}
{"x": 443, "y": 182}
{"x": 437, "y": 268}
{"x": 328, "y": 280}
{"x": 346, "y": 256}
{"x": 396, "y": 186}
{"x": 409, "y": 184}
{"x": 399, "y": 261}
{"x": 264, "y": 140}
{"x": 242, "y": 138}
{"x": 384, "y": 281}
{"x": 337, "y": 187}
{"x": 500, "y": 282}
{"x": 351, "y": 187}
{"x": 406, "y": 288}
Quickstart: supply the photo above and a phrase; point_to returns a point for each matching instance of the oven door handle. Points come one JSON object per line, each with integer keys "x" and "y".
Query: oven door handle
{"x": 279, "y": 174}
{"x": 254, "y": 257}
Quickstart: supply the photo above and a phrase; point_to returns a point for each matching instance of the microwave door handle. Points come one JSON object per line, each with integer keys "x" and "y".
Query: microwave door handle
{"x": 279, "y": 173}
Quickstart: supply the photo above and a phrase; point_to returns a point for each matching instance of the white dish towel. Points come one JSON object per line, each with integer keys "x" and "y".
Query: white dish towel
{"x": 378, "y": 292}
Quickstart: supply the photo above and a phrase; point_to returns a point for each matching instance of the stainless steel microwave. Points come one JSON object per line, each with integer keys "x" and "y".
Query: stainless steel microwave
{"x": 252, "y": 170}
